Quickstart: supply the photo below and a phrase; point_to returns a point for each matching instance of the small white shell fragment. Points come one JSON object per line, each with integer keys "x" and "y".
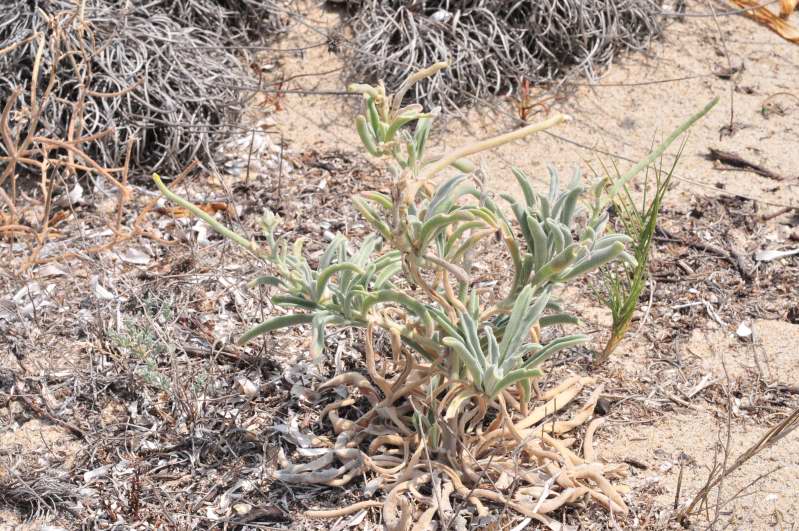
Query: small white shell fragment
{"x": 744, "y": 330}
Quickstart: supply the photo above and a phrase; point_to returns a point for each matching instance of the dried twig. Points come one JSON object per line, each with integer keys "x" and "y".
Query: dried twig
{"x": 733, "y": 256}
{"x": 731, "y": 159}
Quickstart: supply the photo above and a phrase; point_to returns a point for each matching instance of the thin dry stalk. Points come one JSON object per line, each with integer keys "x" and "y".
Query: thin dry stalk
{"x": 717, "y": 476}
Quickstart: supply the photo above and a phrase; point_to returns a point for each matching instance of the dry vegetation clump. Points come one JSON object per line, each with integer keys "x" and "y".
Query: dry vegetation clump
{"x": 241, "y": 21}
{"x": 494, "y": 45}
{"x": 92, "y": 91}
{"x": 103, "y": 76}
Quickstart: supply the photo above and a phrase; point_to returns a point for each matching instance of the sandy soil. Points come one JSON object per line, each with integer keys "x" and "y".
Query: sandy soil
{"x": 680, "y": 387}
{"x": 693, "y": 435}
{"x": 641, "y": 98}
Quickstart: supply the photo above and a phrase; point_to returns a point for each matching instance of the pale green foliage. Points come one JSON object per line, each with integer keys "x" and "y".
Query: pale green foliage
{"x": 143, "y": 347}
{"x": 464, "y": 357}
{"x": 411, "y": 278}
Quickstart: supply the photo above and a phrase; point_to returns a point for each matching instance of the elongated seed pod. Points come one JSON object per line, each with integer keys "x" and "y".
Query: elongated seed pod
{"x": 464, "y": 165}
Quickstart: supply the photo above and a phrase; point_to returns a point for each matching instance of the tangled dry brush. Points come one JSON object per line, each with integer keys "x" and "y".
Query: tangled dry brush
{"x": 493, "y": 45}
{"x": 110, "y": 72}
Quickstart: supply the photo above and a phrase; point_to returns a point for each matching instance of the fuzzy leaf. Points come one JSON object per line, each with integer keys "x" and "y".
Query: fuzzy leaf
{"x": 464, "y": 165}
{"x": 554, "y": 185}
{"x": 522, "y": 318}
{"x": 378, "y": 128}
{"x": 439, "y": 222}
{"x": 512, "y": 378}
{"x": 527, "y": 190}
{"x": 493, "y": 347}
{"x": 381, "y": 199}
{"x": 558, "y": 319}
{"x": 333, "y": 251}
{"x": 567, "y": 209}
{"x": 372, "y": 217}
{"x": 420, "y": 134}
{"x": 368, "y": 139}
{"x": 597, "y": 259}
{"x": 555, "y": 236}
{"x": 607, "y": 241}
{"x": 275, "y": 323}
{"x": 327, "y": 273}
{"x": 398, "y": 123}
{"x": 267, "y": 281}
{"x": 556, "y": 265}
{"x": 539, "y": 239}
{"x": 472, "y": 339}
{"x": 291, "y": 300}
{"x": 554, "y": 346}
{"x": 318, "y": 324}
{"x": 444, "y": 196}
{"x": 467, "y": 357}
{"x": 452, "y": 239}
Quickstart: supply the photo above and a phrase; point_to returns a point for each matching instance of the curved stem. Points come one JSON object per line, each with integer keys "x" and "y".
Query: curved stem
{"x": 490, "y": 143}
{"x": 379, "y": 380}
{"x": 214, "y": 224}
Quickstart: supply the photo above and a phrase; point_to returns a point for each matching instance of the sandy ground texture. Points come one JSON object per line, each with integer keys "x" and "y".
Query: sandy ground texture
{"x": 125, "y": 404}
{"x": 639, "y": 100}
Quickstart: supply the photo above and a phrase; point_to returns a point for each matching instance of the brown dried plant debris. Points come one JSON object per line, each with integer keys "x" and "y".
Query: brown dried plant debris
{"x": 764, "y": 15}
{"x": 147, "y": 375}
{"x": 705, "y": 266}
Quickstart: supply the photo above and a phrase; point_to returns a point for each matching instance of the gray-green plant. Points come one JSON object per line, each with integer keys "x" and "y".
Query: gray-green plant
{"x": 456, "y": 353}
{"x": 140, "y": 345}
